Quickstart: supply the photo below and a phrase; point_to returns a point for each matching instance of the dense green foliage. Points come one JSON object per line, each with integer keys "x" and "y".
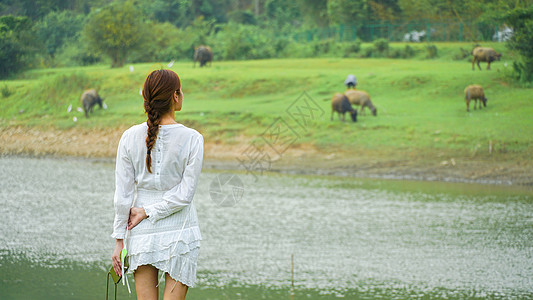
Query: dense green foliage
{"x": 521, "y": 20}
{"x": 82, "y": 32}
{"x": 58, "y": 28}
{"x": 115, "y": 30}
{"x": 17, "y": 44}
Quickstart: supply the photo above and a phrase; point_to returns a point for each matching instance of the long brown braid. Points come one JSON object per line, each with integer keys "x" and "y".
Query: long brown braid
{"x": 158, "y": 91}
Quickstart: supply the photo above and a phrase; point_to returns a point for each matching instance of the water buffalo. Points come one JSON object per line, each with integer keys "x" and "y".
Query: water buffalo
{"x": 482, "y": 54}
{"x": 90, "y": 98}
{"x": 475, "y": 92}
{"x": 203, "y": 54}
{"x": 341, "y": 105}
{"x": 361, "y": 98}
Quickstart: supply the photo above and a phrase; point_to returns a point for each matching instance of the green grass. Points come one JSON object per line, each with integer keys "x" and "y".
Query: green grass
{"x": 420, "y": 102}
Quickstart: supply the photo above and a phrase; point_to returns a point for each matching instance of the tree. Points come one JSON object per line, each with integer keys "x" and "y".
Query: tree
{"x": 17, "y": 44}
{"x": 57, "y": 28}
{"x": 521, "y": 20}
{"x": 348, "y": 12}
{"x": 115, "y": 30}
{"x": 315, "y": 12}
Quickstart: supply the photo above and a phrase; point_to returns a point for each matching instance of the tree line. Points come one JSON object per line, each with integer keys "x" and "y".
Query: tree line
{"x": 48, "y": 33}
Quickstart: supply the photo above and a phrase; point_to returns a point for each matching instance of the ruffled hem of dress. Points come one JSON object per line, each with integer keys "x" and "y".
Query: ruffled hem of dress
{"x": 180, "y": 264}
{"x": 156, "y": 242}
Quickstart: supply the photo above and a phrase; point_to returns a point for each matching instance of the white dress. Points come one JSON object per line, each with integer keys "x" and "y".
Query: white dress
{"x": 169, "y": 239}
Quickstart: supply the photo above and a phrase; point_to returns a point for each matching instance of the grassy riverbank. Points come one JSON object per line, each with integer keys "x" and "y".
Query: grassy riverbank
{"x": 422, "y": 120}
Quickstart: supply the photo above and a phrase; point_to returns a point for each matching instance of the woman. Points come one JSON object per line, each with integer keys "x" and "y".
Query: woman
{"x": 159, "y": 161}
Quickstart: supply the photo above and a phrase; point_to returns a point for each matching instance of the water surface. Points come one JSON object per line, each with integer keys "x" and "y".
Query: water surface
{"x": 351, "y": 238}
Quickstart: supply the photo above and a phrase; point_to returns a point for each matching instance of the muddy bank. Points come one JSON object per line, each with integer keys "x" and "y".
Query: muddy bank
{"x": 302, "y": 159}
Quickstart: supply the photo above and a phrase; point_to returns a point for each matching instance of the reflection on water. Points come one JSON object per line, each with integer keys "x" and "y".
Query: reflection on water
{"x": 350, "y": 237}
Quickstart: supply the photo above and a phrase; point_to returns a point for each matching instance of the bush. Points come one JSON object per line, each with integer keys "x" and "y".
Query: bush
{"x": 6, "y": 91}
{"x": 463, "y": 53}
{"x": 237, "y": 41}
{"x": 431, "y": 51}
{"x": 322, "y": 46}
{"x": 76, "y": 53}
{"x": 369, "y": 52}
{"x": 521, "y": 20}
{"x": 394, "y": 53}
{"x": 408, "y": 52}
{"x": 352, "y": 48}
{"x": 381, "y": 45}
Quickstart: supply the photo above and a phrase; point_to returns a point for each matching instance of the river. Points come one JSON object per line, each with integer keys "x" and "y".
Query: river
{"x": 345, "y": 237}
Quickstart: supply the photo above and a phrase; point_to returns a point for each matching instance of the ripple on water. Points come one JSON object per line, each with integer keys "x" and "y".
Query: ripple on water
{"x": 385, "y": 238}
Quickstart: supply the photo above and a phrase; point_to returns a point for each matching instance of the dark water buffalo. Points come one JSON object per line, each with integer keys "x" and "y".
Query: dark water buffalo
{"x": 482, "y": 54}
{"x": 90, "y": 98}
{"x": 204, "y": 55}
{"x": 341, "y": 105}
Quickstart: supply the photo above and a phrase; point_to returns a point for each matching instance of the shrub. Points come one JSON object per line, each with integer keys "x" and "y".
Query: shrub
{"x": 381, "y": 45}
{"x": 521, "y": 20}
{"x": 351, "y": 48}
{"x": 237, "y": 41}
{"x": 322, "y": 46}
{"x": 462, "y": 54}
{"x": 6, "y": 91}
{"x": 394, "y": 53}
{"x": 370, "y": 52}
{"x": 408, "y": 52}
{"x": 431, "y": 51}
{"x": 76, "y": 53}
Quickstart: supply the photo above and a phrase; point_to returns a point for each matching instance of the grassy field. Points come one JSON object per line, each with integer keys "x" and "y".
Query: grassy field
{"x": 421, "y": 108}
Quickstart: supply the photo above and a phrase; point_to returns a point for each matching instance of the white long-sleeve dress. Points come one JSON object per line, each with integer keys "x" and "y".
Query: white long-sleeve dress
{"x": 169, "y": 239}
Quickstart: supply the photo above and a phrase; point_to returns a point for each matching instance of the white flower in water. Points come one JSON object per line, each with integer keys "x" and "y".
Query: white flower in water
{"x": 170, "y": 64}
{"x": 104, "y": 105}
{"x": 69, "y": 109}
{"x": 80, "y": 109}
{"x": 132, "y": 69}
{"x": 75, "y": 119}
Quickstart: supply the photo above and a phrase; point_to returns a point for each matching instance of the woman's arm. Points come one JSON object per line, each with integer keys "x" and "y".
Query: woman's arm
{"x": 124, "y": 188}
{"x": 182, "y": 194}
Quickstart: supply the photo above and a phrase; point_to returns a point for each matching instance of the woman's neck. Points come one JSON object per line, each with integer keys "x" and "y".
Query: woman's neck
{"x": 167, "y": 119}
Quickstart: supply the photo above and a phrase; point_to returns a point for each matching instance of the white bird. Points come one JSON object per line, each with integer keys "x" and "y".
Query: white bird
{"x": 69, "y": 109}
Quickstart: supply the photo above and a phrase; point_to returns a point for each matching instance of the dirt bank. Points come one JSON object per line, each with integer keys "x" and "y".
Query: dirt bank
{"x": 302, "y": 159}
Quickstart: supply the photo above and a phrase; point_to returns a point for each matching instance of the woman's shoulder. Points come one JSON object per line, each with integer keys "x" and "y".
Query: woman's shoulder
{"x": 189, "y": 131}
{"x": 135, "y": 129}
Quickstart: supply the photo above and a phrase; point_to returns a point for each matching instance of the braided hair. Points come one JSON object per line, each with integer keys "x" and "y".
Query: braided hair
{"x": 158, "y": 91}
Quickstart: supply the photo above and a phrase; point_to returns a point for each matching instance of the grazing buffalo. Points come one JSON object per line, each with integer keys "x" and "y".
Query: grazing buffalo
{"x": 341, "y": 105}
{"x": 90, "y": 98}
{"x": 475, "y": 92}
{"x": 361, "y": 98}
{"x": 482, "y": 54}
{"x": 203, "y": 55}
